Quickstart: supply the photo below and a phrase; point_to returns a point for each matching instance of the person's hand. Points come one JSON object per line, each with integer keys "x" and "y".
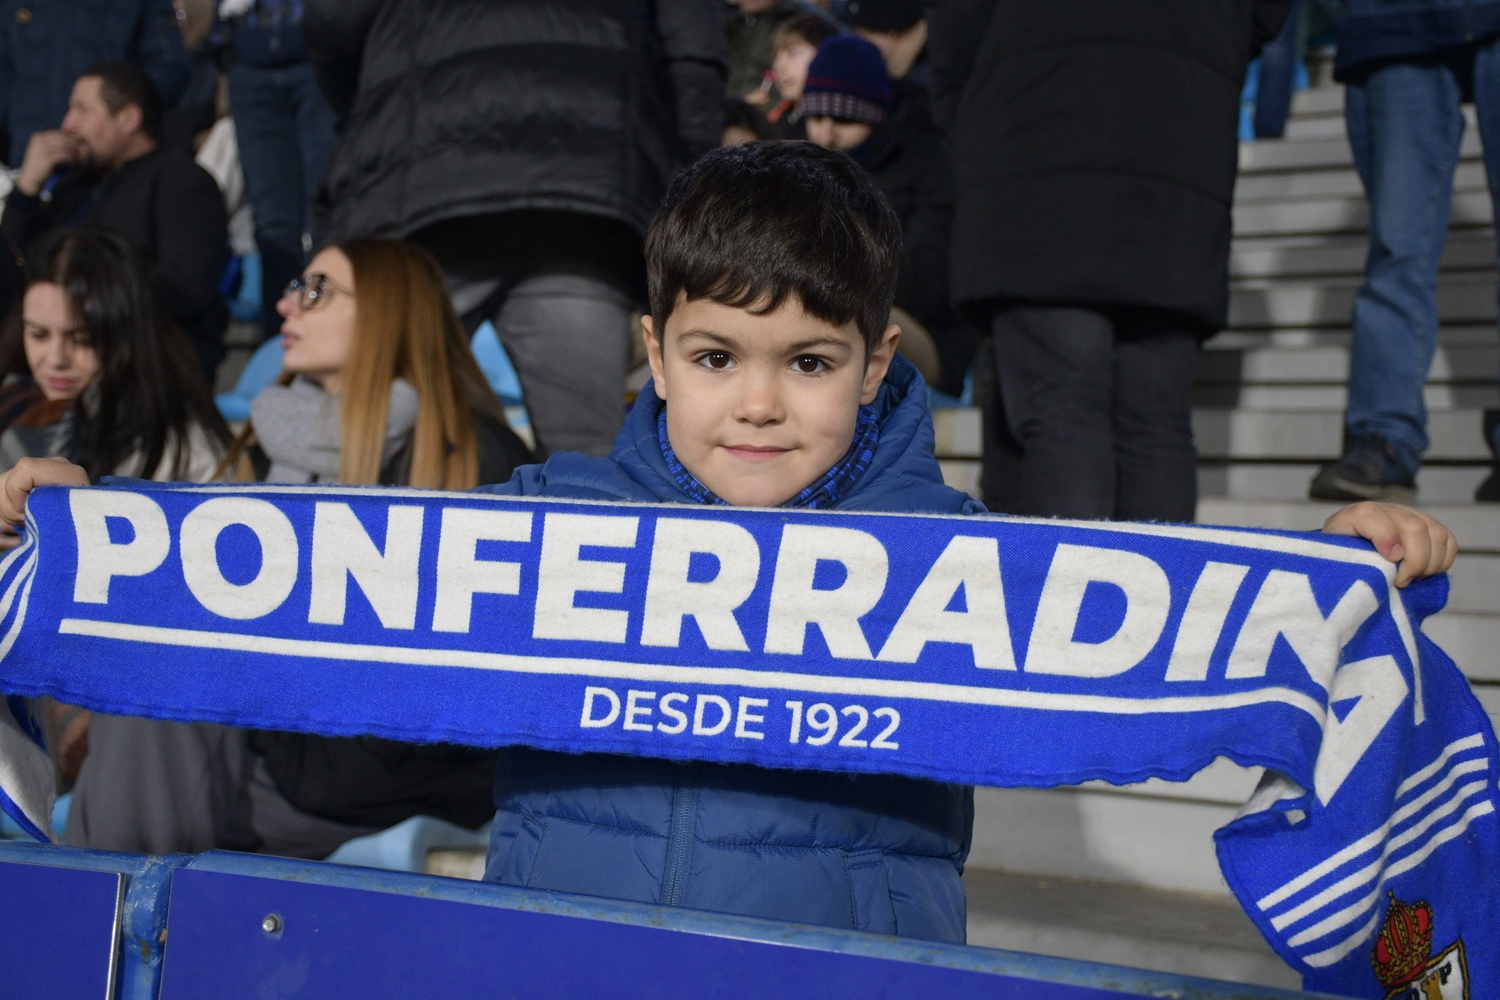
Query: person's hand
{"x": 1417, "y": 542}
{"x": 26, "y": 475}
{"x": 44, "y": 153}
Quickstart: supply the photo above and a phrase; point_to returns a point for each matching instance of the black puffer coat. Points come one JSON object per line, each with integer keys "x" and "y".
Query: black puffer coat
{"x": 455, "y": 108}
{"x": 1095, "y": 146}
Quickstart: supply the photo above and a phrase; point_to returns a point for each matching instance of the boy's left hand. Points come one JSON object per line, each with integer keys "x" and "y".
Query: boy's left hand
{"x": 1421, "y": 545}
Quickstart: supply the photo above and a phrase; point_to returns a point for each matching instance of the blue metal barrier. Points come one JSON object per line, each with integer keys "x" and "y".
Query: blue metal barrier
{"x": 247, "y": 926}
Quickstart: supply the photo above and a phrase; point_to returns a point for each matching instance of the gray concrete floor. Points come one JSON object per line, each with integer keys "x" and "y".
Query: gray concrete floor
{"x": 1121, "y": 925}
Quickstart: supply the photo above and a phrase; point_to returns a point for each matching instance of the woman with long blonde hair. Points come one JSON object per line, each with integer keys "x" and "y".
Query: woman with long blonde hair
{"x": 379, "y": 387}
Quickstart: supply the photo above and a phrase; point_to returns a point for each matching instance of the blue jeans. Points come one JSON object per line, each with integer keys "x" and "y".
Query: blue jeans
{"x": 285, "y": 132}
{"x": 1405, "y": 127}
{"x": 1278, "y": 77}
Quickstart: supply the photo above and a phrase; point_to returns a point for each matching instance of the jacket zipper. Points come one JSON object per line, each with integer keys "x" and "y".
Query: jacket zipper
{"x": 674, "y": 879}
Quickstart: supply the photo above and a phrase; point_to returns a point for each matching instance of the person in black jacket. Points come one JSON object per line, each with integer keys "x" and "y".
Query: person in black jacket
{"x": 1094, "y": 151}
{"x": 105, "y": 167}
{"x": 850, "y": 104}
{"x": 527, "y": 152}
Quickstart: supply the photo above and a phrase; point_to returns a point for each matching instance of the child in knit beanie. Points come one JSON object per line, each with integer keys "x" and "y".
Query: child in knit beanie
{"x": 847, "y": 94}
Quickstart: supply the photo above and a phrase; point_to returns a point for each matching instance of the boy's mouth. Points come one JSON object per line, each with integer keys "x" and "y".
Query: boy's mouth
{"x": 754, "y": 452}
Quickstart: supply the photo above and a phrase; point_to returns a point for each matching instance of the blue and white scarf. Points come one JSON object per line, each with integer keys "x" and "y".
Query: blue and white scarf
{"x": 992, "y": 651}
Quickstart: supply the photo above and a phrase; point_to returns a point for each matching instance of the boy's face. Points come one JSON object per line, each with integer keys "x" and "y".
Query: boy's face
{"x": 760, "y": 406}
{"x": 789, "y": 66}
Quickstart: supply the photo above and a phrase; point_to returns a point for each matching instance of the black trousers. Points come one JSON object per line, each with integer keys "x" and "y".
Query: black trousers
{"x": 1089, "y": 414}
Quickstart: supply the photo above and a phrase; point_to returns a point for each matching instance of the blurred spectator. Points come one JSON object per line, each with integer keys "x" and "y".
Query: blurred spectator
{"x": 199, "y": 107}
{"x": 105, "y": 167}
{"x": 528, "y": 152}
{"x": 743, "y": 124}
{"x": 795, "y": 45}
{"x": 285, "y": 131}
{"x": 750, "y": 26}
{"x": 383, "y": 389}
{"x": 1279, "y": 62}
{"x": 44, "y": 47}
{"x": 899, "y": 30}
{"x": 94, "y": 373}
{"x": 1408, "y": 68}
{"x": 849, "y": 105}
{"x": 1095, "y": 155}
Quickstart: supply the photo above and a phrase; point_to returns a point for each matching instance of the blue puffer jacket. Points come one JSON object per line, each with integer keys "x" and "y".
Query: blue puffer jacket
{"x": 1377, "y": 30}
{"x": 872, "y": 853}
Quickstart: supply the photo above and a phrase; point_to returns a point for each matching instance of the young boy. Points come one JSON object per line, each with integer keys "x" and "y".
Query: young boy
{"x": 776, "y": 383}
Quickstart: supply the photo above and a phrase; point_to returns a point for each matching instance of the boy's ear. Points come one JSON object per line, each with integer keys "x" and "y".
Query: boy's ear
{"x": 653, "y": 356}
{"x": 879, "y": 364}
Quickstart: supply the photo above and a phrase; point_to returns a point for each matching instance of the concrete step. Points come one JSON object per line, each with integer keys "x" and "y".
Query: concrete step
{"x": 1088, "y": 833}
{"x": 1476, "y": 526}
{"x": 1334, "y": 182}
{"x": 1489, "y": 697}
{"x": 1289, "y": 480}
{"x": 1182, "y": 933}
{"x": 1455, "y": 334}
{"x": 1476, "y": 584}
{"x": 957, "y": 432}
{"x": 1313, "y": 127}
{"x": 1312, "y": 154}
{"x": 1343, "y": 256}
{"x": 1318, "y": 101}
{"x": 1348, "y": 214}
{"x": 1473, "y": 640}
{"x": 1318, "y": 434}
{"x": 1335, "y": 397}
{"x": 1464, "y": 364}
{"x": 1330, "y": 303}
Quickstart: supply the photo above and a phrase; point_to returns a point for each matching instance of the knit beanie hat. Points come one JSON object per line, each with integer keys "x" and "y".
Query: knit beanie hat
{"x": 848, "y": 79}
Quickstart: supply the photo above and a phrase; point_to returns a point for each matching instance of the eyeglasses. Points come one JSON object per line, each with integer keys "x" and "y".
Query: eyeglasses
{"x": 311, "y": 289}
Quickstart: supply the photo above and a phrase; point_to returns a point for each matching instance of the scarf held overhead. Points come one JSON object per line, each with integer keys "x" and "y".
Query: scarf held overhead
{"x": 992, "y": 651}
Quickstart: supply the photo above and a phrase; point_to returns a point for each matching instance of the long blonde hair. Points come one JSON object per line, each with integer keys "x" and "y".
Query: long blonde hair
{"x": 405, "y": 327}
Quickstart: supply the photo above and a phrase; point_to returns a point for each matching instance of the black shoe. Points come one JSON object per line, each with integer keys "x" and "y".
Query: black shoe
{"x": 1489, "y": 490}
{"x": 1370, "y": 470}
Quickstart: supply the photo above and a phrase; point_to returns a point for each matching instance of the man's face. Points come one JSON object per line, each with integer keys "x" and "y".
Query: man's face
{"x": 760, "y": 406}
{"x": 103, "y": 136}
{"x": 789, "y": 67}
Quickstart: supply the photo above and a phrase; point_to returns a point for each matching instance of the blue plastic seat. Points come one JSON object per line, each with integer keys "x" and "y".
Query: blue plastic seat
{"x": 264, "y": 366}
{"x": 404, "y": 847}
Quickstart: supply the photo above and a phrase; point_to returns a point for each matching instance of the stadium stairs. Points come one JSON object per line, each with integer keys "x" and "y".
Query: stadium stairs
{"x": 1130, "y": 872}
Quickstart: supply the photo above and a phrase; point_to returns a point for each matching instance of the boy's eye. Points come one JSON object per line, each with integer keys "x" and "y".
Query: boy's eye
{"x": 717, "y": 360}
{"x": 809, "y": 365}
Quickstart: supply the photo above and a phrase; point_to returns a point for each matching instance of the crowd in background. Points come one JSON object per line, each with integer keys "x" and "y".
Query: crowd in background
{"x": 370, "y": 182}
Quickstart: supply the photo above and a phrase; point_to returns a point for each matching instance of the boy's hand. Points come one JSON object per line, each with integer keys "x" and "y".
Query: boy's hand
{"x": 1421, "y": 545}
{"x": 27, "y": 474}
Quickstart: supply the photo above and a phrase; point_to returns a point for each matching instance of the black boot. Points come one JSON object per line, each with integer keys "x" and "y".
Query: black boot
{"x": 1370, "y": 470}
{"x": 1489, "y": 490}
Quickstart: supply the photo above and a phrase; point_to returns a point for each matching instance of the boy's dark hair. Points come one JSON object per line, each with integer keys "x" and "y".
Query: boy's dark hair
{"x": 749, "y": 226}
{"x": 122, "y": 84}
{"x": 811, "y": 28}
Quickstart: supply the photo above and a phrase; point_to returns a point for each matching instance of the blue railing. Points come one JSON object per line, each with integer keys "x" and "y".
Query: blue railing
{"x": 96, "y": 924}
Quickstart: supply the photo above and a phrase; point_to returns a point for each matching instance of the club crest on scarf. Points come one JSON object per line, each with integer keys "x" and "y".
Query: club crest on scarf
{"x": 1403, "y": 960}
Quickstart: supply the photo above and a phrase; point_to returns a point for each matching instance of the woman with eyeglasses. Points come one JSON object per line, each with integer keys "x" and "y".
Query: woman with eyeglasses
{"x": 379, "y": 387}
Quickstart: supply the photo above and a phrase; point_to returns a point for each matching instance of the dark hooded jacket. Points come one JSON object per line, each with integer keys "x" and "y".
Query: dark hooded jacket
{"x": 452, "y": 110}
{"x": 875, "y": 853}
{"x": 1095, "y": 146}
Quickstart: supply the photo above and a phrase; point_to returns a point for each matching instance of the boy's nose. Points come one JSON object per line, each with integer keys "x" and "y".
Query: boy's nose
{"x": 760, "y": 401}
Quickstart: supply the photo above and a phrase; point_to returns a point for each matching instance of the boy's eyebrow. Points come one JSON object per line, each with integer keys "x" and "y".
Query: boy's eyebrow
{"x": 799, "y": 347}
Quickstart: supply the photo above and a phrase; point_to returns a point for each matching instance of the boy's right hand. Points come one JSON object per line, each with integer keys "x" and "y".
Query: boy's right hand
{"x": 25, "y": 476}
